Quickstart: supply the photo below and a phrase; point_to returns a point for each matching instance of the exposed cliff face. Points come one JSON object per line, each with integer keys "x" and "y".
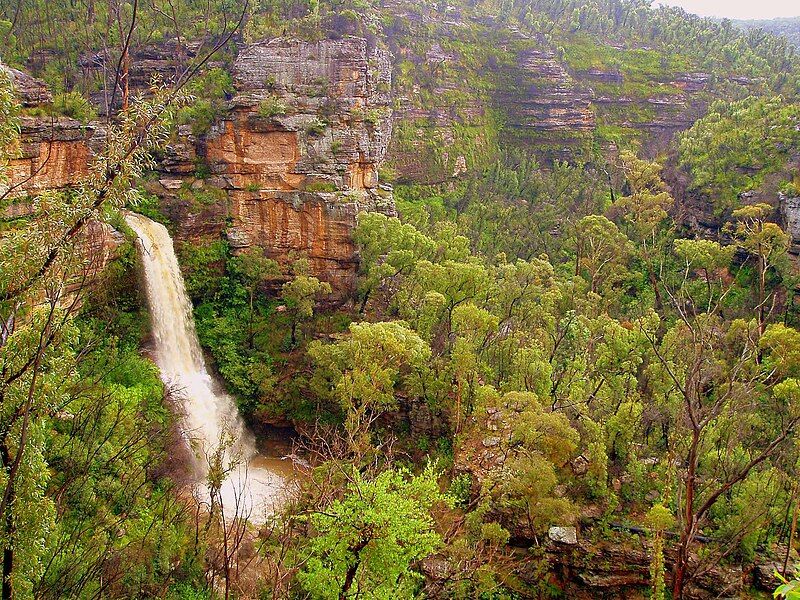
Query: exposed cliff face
{"x": 297, "y": 150}
{"x": 29, "y": 90}
{"x": 546, "y": 97}
{"x": 296, "y": 154}
{"x": 53, "y": 154}
{"x": 292, "y": 161}
{"x": 548, "y": 109}
{"x": 469, "y": 87}
{"x": 619, "y": 568}
{"x": 790, "y": 209}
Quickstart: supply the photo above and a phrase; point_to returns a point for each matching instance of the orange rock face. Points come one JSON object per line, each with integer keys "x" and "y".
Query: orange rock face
{"x": 289, "y": 180}
{"x": 54, "y": 165}
{"x": 52, "y": 155}
{"x": 288, "y": 225}
{"x": 264, "y": 160}
{"x": 295, "y": 176}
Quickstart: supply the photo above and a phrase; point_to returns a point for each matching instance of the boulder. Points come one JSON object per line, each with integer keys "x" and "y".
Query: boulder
{"x": 563, "y": 535}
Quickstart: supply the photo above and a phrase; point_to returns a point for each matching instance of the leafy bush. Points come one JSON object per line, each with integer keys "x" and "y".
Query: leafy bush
{"x": 150, "y": 206}
{"x": 75, "y": 106}
{"x": 737, "y": 144}
{"x": 460, "y": 489}
{"x": 272, "y": 107}
{"x": 316, "y": 128}
{"x": 321, "y": 186}
{"x": 210, "y": 91}
{"x": 201, "y": 116}
{"x": 791, "y": 189}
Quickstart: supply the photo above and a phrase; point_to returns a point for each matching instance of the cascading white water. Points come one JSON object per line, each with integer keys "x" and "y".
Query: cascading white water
{"x": 210, "y": 416}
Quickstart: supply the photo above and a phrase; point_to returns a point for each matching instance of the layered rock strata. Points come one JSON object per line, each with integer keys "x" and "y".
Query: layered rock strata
{"x": 287, "y": 167}
{"x": 297, "y": 153}
{"x": 53, "y": 154}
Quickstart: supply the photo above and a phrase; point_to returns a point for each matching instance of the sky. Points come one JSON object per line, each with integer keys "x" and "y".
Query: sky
{"x": 738, "y": 9}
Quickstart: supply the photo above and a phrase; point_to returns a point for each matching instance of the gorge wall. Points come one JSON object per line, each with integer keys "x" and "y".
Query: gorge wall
{"x": 291, "y": 162}
{"x": 294, "y": 154}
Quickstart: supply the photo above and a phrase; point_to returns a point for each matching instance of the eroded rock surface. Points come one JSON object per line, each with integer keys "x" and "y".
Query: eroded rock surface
{"x": 290, "y": 163}
{"x": 53, "y": 154}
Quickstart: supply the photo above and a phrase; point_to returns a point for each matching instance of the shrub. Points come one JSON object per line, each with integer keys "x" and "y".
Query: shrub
{"x": 791, "y": 189}
{"x": 460, "y": 489}
{"x": 74, "y": 105}
{"x": 213, "y": 85}
{"x": 272, "y": 107}
{"x": 150, "y": 206}
{"x": 209, "y": 90}
{"x": 200, "y": 116}
{"x": 316, "y": 128}
{"x": 321, "y": 186}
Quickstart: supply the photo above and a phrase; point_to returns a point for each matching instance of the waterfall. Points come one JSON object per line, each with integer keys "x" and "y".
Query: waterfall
{"x": 209, "y": 415}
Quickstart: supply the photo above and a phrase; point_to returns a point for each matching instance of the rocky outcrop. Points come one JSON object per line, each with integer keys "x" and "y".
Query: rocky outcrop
{"x": 53, "y": 154}
{"x": 790, "y": 209}
{"x": 28, "y": 90}
{"x": 617, "y": 568}
{"x": 296, "y": 154}
{"x": 289, "y": 165}
{"x": 546, "y": 101}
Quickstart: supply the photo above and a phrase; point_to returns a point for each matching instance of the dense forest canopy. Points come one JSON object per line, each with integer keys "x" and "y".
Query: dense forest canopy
{"x": 558, "y": 349}
{"x": 788, "y": 27}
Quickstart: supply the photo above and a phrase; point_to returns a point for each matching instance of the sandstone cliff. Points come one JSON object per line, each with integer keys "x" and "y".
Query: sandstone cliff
{"x": 288, "y": 166}
{"x": 53, "y": 154}
{"x": 296, "y": 153}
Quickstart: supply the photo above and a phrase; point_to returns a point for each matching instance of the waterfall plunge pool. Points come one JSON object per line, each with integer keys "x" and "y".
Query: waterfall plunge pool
{"x": 255, "y": 484}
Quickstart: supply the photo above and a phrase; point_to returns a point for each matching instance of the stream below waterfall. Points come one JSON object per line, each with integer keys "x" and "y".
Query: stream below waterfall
{"x": 210, "y": 422}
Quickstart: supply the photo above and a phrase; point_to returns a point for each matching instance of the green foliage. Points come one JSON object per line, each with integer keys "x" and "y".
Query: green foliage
{"x": 388, "y": 248}
{"x": 659, "y": 519}
{"x": 365, "y": 544}
{"x": 602, "y": 252}
{"x": 321, "y": 186}
{"x": 209, "y": 90}
{"x": 300, "y": 295}
{"x": 460, "y": 489}
{"x": 202, "y": 266}
{"x": 736, "y": 145}
{"x": 518, "y": 206}
{"x": 150, "y": 206}
{"x": 316, "y": 128}
{"x": 642, "y": 72}
{"x": 50, "y": 398}
{"x": 272, "y": 107}
{"x": 789, "y": 590}
{"x": 74, "y": 105}
{"x": 363, "y": 370}
{"x": 556, "y": 337}
{"x": 9, "y": 126}
{"x": 227, "y": 314}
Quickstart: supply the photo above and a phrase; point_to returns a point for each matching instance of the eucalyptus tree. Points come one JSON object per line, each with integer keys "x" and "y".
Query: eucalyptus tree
{"x": 602, "y": 252}
{"x": 255, "y": 269}
{"x": 300, "y": 295}
{"x": 729, "y": 393}
{"x": 767, "y": 243}
{"x": 366, "y": 543}
{"x": 645, "y": 211}
{"x": 368, "y": 371}
{"x": 43, "y": 276}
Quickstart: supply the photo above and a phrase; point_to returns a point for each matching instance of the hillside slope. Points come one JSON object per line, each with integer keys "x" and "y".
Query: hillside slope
{"x": 788, "y": 27}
